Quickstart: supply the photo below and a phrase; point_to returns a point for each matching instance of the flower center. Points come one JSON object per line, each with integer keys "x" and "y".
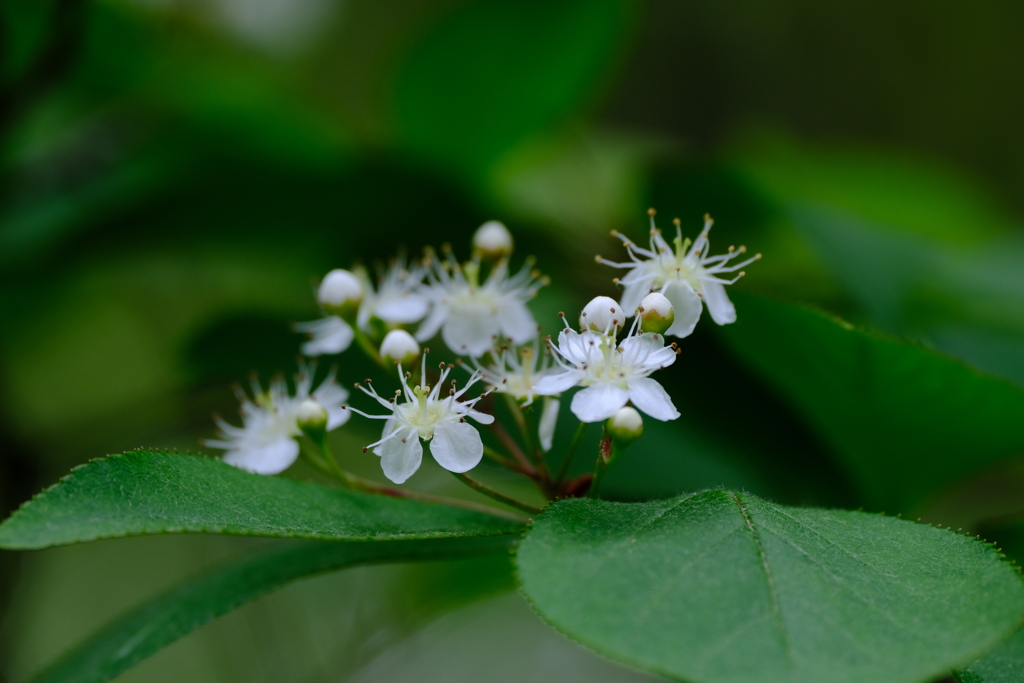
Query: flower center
{"x": 473, "y": 301}
{"x": 423, "y": 414}
{"x": 613, "y": 367}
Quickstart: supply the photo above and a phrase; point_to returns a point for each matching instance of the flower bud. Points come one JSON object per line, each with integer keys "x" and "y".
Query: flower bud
{"x": 399, "y": 347}
{"x": 656, "y": 313}
{"x": 625, "y": 426}
{"x": 340, "y": 293}
{"x": 312, "y": 419}
{"x": 493, "y": 240}
{"x": 602, "y": 314}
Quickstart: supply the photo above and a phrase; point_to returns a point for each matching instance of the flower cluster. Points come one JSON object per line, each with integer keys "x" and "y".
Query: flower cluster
{"x": 480, "y": 309}
{"x": 272, "y": 420}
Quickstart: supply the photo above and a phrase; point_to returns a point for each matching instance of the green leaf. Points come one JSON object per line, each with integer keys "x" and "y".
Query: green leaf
{"x": 489, "y": 74}
{"x": 903, "y": 421}
{"x": 965, "y": 299}
{"x": 145, "y": 492}
{"x": 1005, "y": 665}
{"x": 182, "y": 610}
{"x": 720, "y": 587}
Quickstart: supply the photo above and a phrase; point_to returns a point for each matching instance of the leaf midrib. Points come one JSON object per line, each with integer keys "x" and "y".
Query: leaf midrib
{"x": 772, "y": 591}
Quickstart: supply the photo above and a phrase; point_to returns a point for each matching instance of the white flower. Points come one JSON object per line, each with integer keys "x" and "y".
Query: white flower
{"x": 471, "y": 314}
{"x": 684, "y": 273}
{"x": 516, "y": 369}
{"x": 397, "y": 301}
{"x": 266, "y": 441}
{"x": 612, "y": 374}
{"x": 419, "y": 412}
{"x": 327, "y": 335}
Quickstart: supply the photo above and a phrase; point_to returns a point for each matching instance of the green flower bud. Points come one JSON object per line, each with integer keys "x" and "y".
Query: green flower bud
{"x": 602, "y": 314}
{"x": 312, "y": 419}
{"x": 340, "y": 294}
{"x": 492, "y": 240}
{"x": 656, "y": 313}
{"x": 625, "y": 426}
{"x": 399, "y": 347}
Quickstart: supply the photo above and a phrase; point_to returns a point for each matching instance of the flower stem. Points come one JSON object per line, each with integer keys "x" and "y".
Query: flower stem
{"x": 599, "y": 469}
{"x": 368, "y": 347}
{"x": 368, "y": 486}
{"x": 357, "y": 483}
{"x": 334, "y": 469}
{"x": 506, "y": 463}
{"x": 604, "y": 456}
{"x": 500, "y": 497}
{"x": 509, "y": 443}
{"x": 531, "y": 448}
{"x": 570, "y": 453}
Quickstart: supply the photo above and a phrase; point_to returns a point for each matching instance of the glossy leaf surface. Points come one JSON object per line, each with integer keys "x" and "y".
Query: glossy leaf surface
{"x": 905, "y": 422}
{"x": 719, "y": 587}
{"x": 145, "y": 492}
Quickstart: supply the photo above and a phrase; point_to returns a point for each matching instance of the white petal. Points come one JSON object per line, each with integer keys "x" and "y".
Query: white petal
{"x": 330, "y": 335}
{"x": 650, "y": 397}
{"x": 549, "y": 385}
{"x": 482, "y": 418}
{"x": 332, "y": 397}
{"x": 389, "y": 426}
{"x": 273, "y": 458}
{"x": 470, "y": 330}
{"x": 517, "y": 322}
{"x": 721, "y": 309}
{"x": 634, "y": 293}
{"x": 337, "y": 416}
{"x": 407, "y": 309}
{"x": 401, "y": 456}
{"x": 579, "y": 348}
{"x": 685, "y": 304}
{"x": 548, "y": 420}
{"x": 598, "y": 402}
{"x": 430, "y": 326}
{"x": 456, "y": 446}
{"x": 648, "y": 351}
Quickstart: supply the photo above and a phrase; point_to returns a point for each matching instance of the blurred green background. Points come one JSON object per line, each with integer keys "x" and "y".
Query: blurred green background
{"x": 176, "y": 174}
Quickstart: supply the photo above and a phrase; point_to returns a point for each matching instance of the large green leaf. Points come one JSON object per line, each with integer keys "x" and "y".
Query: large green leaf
{"x": 185, "y": 608}
{"x": 145, "y": 492}
{"x": 1005, "y": 665}
{"x": 489, "y": 74}
{"x": 720, "y": 587}
{"x": 903, "y": 421}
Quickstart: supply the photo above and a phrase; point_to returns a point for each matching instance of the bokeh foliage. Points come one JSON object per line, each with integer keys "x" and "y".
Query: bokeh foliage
{"x": 174, "y": 178}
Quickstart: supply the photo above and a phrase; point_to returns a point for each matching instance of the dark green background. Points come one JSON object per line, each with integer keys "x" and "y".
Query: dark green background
{"x": 176, "y": 175}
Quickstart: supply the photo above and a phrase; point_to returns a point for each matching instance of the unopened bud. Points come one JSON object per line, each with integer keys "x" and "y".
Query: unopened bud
{"x": 312, "y": 419}
{"x": 399, "y": 347}
{"x": 493, "y": 240}
{"x": 625, "y": 426}
{"x": 340, "y": 293}
{"x": 602, "y": 314}
{"x": 656, "y": 313}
